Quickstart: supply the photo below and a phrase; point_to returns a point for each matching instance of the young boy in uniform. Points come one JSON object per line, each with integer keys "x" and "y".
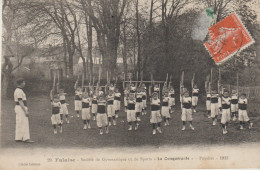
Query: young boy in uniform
{"x": 126, "y": 94}
{"x": 110, "y": 108}
{"x": 183, "y": 89}
{"x": 186, "y": 110}
{"x": 77, "y": 102}
{"x": 94, "y": 106}
{"x": 165, "y": 109}
{"x": 155, "y": 113}
{"x": 117, "y": 101}
{"x": 156, "y": 89}
{"x": 208, "y": 104}
{"x": 55, "y": 118}
{"x": 144, "y": 98}
{"x": 133, "y": 88}
{"x": 234, "y": 105}
{"x": 86, "y": 110}
{"x": 171, "y": 99}
{"x": 195, "y": 96}
{"x": 101, "y": 114}
{"x": 242, "y": 112}
{"x": 226, "y": 101}
{"x": 139, "y": 103}
{"x": 64, "y": 109}
{"x": 131, "y": 114}
{"x": 214, "y": 106}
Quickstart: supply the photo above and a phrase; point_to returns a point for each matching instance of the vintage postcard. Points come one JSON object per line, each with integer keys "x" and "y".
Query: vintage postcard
{"x": 130, "y": 84}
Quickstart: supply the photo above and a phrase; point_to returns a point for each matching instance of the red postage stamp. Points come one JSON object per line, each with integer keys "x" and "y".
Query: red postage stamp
{"x": 227, "y": 38}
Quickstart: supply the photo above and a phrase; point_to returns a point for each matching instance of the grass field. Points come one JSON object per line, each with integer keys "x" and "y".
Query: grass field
{"x": 74, "y": 136}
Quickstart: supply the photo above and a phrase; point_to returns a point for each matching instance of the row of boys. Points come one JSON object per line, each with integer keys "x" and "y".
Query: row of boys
{"x": 231, "y": 107}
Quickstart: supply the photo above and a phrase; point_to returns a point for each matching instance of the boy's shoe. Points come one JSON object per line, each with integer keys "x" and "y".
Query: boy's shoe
{"x": 55, "y": 132}
{"x": 241, "y": 127}
{"x": 136, "y": 126}
{"x": 94, "y": 118}
{"x": 101, "y": 132}
{"x": 109, "y": 123}
{"x": 138, "y": 119}
{"x": 28, "y": 141}
{"x": 154, "y": 132}
{"x": 77, "y": 115}
{"x": 214, "y": 123}
{"x": 224, "y": 131}
{"x": 159, "y": 130}
{"x": 130, "y": 128}
{"x": 192, "y": 128}
{"x": 61, "y": 129}
{"x": 85, "y": 127}
{"x": 250, "y": 125}
{"x": 209, "y": 116}
{"x": 68, "y": 121}
{"x": 194, "y": 111}
{"x": 183, "y": 128}
{"x": 165, "y": 124}
{"x": 89, "y": 127}
{"x": 234, "y": 118}
{"x": 106, "y": 130}
{"x": 114, "y": 122}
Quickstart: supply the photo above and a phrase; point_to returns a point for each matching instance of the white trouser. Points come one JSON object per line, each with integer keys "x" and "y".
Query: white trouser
{"x": 194, "y": 100}
{"x": 22, "y": 124}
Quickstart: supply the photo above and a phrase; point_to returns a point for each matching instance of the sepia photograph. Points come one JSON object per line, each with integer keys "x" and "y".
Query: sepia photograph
{"x": 130, "y": 84}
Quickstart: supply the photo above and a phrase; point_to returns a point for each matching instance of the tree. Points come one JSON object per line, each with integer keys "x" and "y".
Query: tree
{"x": 14, "y": 19}
{"x": 61, "y": 16}
{"x": 106, "y": 17}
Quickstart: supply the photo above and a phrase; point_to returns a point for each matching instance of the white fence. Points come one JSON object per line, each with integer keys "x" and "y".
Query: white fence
{"x": 251, "y": 92}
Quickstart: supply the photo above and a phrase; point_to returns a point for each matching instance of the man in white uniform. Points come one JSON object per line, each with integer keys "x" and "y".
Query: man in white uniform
{"x": 22, "y": 132}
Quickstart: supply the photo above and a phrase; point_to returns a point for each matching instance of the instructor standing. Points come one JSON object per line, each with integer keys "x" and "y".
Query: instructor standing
{"x": 22, "y": 132}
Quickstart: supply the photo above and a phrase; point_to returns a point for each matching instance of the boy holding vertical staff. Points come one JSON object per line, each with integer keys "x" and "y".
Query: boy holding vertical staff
{"x": 234, "y": 105}
{"x": 186, "y": 110}
{"x": 101, "y": 114}
{"x": 78, "y": 96}
{"x": 195, "y": 96}
{"x": 111, "y": 108}
{"x": 226, "y": 101}
{"x": 56, "y": 118}
{"x": 165, "y": 108}
{"x": 144, "y": 99}
{"x": 117, "y": 101}
{"x": 214, "y": 106}
{"x": 131, "y": 113}
{"x": 64, "y": 109}
{"x": 171, "y": 99}
{"x": 155, "y": 113}
{"x": 86, "y": 110}
{"x": 208, "y": 103}
{"x": 139, "y": 103}
{"x": 242, "y": 112}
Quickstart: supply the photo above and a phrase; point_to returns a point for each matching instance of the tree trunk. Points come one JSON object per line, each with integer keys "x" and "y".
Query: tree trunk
{"x": 89, "y": 34}
{"x": 65, "y": 58}
{"x": 112, "y": 54}
{"x": 124, "y": 50}
{"x": 70, "y": 65}
{"x": 7, "y": 79}
{"x": 138, "y": 40}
